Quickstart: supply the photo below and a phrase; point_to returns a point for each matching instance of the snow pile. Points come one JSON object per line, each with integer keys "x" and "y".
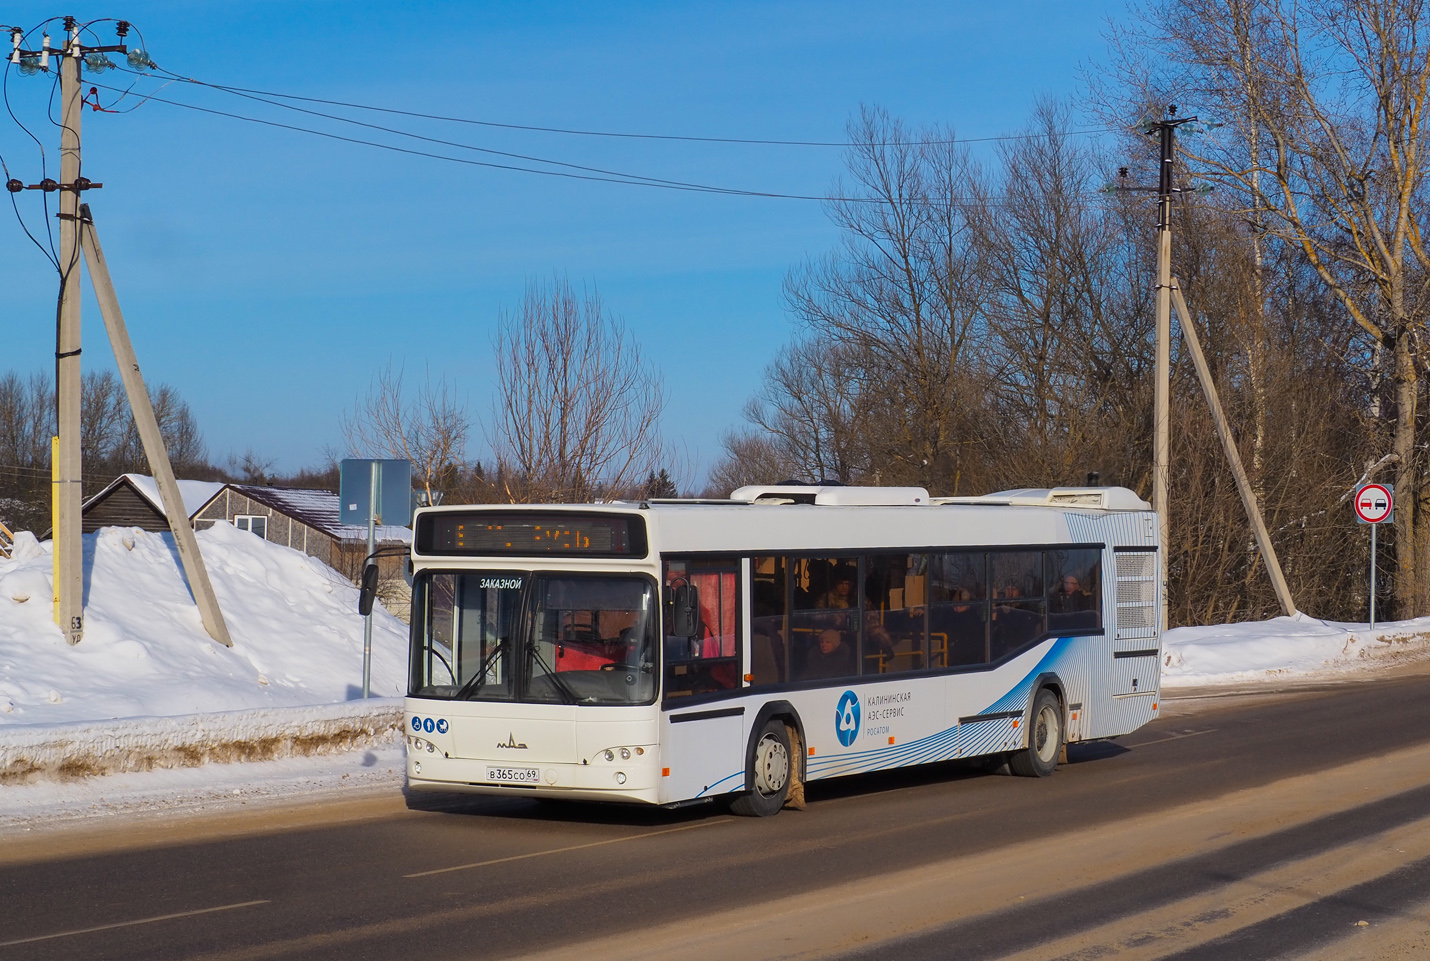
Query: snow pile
{"x": 296, "y": 632}
{"x": 1286, "y": 647}
{"x": 87, "y": 748}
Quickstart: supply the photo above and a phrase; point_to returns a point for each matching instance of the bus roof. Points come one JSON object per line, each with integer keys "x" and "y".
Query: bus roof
{"x": 798, "y": 518}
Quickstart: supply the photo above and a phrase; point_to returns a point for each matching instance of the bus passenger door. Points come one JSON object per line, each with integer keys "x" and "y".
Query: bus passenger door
{"x": 704, "y": 741}
{"x": 704, "y": 751}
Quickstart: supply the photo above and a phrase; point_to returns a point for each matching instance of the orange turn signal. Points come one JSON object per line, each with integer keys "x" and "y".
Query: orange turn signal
{"x": 665, "y": 772}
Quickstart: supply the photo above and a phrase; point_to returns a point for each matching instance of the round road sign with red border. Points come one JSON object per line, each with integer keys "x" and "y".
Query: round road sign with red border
{"x": 1374, "y": 503}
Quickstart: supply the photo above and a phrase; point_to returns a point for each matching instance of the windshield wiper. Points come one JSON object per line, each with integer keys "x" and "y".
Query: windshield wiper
{"x": 474, "y": 684}
{"x": 560, "y": 685}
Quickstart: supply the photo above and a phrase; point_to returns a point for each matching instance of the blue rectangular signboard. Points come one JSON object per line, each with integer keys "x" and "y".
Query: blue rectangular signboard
{"x": 394, "y": 491}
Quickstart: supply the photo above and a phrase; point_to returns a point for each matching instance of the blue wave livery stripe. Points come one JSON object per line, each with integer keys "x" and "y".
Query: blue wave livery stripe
{"x": 960, "y": 740}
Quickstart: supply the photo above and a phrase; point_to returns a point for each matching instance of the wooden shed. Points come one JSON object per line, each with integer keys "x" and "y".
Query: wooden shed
{"x": 132, "y": 500}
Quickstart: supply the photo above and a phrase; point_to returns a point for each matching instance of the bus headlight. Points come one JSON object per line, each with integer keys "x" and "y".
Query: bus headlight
{"x": 620, "y": 777}
{"x": 625, "y": 754}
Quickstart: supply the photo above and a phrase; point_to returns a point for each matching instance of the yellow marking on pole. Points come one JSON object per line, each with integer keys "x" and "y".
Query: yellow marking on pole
{"x": 55, "y": 525}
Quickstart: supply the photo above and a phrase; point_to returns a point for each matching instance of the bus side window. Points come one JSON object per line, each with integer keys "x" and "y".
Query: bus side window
{"x": 1074, "y": 590}
{"x": 768, "y": 622}
{"x": 894, "y": 628}
{"x": 958, "y": 608}
{"x": 1017, "y": 617}
{"x": 709, "y": 661}
{"x": 824, "y": 626}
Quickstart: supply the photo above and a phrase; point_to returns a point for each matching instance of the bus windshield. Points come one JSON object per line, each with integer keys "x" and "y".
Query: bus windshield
{"x": 544, "y": 638}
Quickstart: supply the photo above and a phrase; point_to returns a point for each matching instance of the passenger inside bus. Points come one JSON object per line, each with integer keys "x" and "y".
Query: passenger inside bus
{"x": 961, "y": 621}
{"x": 831, "y": 656}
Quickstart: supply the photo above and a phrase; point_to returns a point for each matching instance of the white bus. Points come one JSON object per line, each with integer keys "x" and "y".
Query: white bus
{"x": 671, "y": 652}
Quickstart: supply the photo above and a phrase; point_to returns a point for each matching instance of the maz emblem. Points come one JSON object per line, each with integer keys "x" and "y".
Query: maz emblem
{"x": 511, "y": 742}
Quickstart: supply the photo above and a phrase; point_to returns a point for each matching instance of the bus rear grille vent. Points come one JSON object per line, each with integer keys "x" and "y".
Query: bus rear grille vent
{"x": 1136, "y": 592}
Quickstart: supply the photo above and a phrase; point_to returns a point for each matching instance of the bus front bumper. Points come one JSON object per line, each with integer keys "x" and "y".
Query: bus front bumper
{"x": 635, "y": 780}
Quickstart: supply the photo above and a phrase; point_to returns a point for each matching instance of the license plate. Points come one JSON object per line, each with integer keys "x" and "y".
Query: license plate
{"x": 514, "y": 775}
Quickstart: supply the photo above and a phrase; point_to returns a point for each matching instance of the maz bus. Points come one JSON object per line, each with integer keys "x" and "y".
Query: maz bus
{"x": 670, "y": 652}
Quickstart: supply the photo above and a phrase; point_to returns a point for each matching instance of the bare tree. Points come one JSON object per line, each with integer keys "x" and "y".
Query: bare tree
{"x": 751, "y": 457}
{"x": 577, "y": 412}
{"x": 429, "y": 429}
{"x": 252, "y": 467}
{"x": 904, "y": 290}
{"x": 815, "y": 408}
{"x": 1324, "y": 151}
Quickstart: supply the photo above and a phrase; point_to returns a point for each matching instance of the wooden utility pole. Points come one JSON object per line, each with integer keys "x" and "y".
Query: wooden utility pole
{"x": 149, "y": 434}
{"x": 67, "y": 542}
{"x": 1233, "y": 456}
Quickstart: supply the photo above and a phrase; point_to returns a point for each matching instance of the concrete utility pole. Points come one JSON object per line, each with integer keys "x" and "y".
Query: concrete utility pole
{"x": 148, "y": 426}
{"x": 1165, "y": 129}
{"x": 1167, "y": 291}
{"x": 76, "y": 235}
{"x": 1233, "y": 457}
{"x": 68, "y": 545}
{"x": 1162, "y": 400}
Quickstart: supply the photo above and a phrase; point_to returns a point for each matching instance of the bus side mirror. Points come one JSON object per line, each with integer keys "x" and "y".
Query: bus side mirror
{"x": 368, "y": 592}
{"x": 685, "y": 611}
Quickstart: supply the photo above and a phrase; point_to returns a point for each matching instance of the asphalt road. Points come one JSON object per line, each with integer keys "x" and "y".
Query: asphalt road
{"x": 1120, "y": 853}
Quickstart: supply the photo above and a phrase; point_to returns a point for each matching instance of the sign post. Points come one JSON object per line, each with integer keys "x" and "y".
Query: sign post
{"x": 1375, "y": 505}
{"x": 373, "y": 492}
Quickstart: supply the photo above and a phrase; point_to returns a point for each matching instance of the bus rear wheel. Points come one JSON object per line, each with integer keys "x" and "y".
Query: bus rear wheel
{"x": 769, "y": 775}
{"x": 1045, "y": 738}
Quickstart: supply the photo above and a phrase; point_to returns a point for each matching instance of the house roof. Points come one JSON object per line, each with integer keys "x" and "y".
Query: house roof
{"x": 195, "y": 494}
{"x": 318, "y": 509}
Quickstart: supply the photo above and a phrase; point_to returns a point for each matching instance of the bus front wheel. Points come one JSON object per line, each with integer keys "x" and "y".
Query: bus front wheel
{"x": 769, "y": 775}
{"x": 1045, "y": 738}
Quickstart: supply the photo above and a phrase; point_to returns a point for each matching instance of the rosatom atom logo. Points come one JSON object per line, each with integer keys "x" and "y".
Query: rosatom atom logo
{"x": 846, "y": 718}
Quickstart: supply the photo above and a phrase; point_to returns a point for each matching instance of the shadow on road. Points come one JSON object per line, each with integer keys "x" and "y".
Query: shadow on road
{"x": 638, "y": 815}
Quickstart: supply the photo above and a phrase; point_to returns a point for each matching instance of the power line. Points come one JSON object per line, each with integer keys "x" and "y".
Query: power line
{"x": 596, "y": 174}
{"x": 457, "y": 144}
{"x": 623, "y": 135}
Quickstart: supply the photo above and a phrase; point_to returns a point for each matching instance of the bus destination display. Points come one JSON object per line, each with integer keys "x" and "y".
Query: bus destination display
{"x": 526, "y": 534}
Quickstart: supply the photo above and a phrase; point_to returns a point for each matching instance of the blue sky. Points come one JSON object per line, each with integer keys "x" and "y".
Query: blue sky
{"x": 267, "y": 274}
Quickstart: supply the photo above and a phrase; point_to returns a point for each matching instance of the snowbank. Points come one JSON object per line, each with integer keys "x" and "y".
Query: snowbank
{"x": 1285, "y": 647}
{"x": 87, "y": 748}
{"x": 212, "y": 789}
{"x": 294, "y": 623}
